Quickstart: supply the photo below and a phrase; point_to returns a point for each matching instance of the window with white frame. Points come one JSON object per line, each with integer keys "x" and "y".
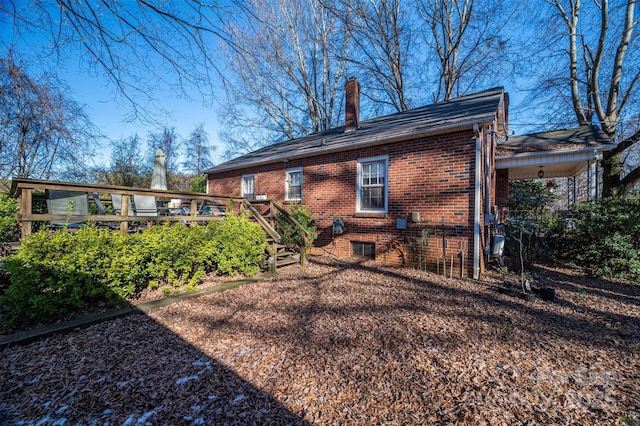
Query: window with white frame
{"x": 293, "y": 185}
{"x": 372, "y": 184}
{"x": 247, "y": 187}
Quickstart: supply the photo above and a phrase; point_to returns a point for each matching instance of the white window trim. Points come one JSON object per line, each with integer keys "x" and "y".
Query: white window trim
{"x": 242, "y": 184}
{"x": 386, "y": 184}
{"x": 286, "y": 183}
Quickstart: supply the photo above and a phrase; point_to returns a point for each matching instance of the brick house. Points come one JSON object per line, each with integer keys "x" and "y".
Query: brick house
{"x": 415, "y": 186}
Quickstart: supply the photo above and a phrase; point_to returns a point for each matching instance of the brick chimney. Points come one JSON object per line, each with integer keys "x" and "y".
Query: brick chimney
{"x": 352, "y": 106}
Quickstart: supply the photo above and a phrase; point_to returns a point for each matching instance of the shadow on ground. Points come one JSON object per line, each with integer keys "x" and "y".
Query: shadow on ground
{"x": 128, "y": 371}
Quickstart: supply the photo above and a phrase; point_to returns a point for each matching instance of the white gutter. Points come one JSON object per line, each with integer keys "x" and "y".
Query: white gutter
{"x": 506, "y": 161}
{"x": 476, "y": 210}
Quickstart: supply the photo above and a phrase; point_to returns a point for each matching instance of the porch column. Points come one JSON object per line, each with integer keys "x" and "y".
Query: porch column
{"x": 593, "y": 180}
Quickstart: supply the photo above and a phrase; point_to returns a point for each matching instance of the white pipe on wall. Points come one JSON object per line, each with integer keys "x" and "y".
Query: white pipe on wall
{"x": 487, "y": 188}
{"x": 477, "y": 206}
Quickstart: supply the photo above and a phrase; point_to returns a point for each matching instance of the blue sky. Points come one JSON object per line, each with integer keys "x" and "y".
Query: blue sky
{"x": 99, "y": 97}
{"x": 109, "y": 112}
{"x": 111, "y": 116}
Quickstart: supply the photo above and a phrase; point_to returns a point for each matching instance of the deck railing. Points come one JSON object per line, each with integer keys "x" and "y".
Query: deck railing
{"x": 275, "y": 210}
{"x": 23, "y": 189}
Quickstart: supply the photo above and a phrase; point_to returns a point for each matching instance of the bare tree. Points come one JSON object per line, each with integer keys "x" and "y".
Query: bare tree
{"x": 590, "y": 57}
{"x": 198, "y": 151}
{"x": 137, "y": 45}
{"x": 127, "y": 167}
{"x": 381, "y": 36}
{"x": 43, "y": 133}
{"x": 288, "y": 75}
{"x": 467, "y": 39}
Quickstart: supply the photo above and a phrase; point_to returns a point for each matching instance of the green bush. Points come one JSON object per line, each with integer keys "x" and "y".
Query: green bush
{"x": 238, "y": 245}
{"x": 529, "y": 198}
{"x": 292, "y": 236}
{"x": 56, "y": 274}
{"x": 174, "y": 255}
{"x": 8, "y": 224}
{"x": 604, "y": 237}
{"x": 53, "y": 275}
{"x": 198, "y": 184}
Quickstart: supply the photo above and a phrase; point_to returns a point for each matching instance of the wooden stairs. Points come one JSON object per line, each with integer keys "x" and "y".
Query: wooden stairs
{"x": 265, "y": 213}
{"x": 281, "y": 254}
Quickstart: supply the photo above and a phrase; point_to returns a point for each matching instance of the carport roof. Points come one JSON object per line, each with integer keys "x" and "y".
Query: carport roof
{"x": 565, "y": 139}
{"x": 559, "y": 153}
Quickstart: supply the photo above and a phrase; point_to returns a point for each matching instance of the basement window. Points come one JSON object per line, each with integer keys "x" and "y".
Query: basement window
{"x": 361, "y": 249}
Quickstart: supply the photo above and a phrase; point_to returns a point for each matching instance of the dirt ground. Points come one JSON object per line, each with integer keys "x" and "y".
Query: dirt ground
{"x": 345, "y": 342}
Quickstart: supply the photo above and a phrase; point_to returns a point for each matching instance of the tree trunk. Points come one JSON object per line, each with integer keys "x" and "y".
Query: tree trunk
{"x": 611, "y": 174}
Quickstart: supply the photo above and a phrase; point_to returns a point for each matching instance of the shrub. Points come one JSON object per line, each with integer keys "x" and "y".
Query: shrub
{"x": 55, "y": 274}
{"x": 523, "y": 243}
{"x": 292, "y": 236}
{"x": 198, "y": 184}
{"x": 8, "y": 224}
{"x": 238, "y": 245}
{"x": 529, "y": 198}
{"x": 604, "y": 237}
{"x": 174, "y": 255}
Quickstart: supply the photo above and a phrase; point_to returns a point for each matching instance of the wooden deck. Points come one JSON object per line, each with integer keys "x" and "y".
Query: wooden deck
{"x": 23, "y": 189}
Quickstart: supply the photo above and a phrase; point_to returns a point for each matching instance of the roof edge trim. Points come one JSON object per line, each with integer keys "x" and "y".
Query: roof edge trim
{"x": 488, "y": 120}
{"x": 555, "y": 152}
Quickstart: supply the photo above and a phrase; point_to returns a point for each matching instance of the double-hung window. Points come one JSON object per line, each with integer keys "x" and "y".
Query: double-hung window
{"x": 372, "y": 184}
{"x": 293, "y": 188}
{"x": 248, "y": 187}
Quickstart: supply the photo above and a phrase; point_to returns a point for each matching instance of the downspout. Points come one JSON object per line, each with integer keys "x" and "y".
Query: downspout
{"x": 477, "y": 206}
{"x": 487, "y": 192}
{"x": 487, "y": 177}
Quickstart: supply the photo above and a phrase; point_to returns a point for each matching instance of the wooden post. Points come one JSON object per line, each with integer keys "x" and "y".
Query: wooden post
{"x": 194, "y": 209}
{"x": 444, "y": 251}
{"x": 274, "y": 264}
{"x": 451, "y": 268}
{"x": 25, "y": 201}
{"x": 272, "y": 215}
{"x": 303, "y": 251}
{"x": 124, "y": 211}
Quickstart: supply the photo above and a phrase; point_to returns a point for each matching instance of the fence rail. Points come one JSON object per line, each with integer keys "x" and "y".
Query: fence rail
{"x": 22, "y": 189}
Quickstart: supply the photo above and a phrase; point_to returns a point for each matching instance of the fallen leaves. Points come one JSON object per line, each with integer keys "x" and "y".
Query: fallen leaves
{"x": 344, "y": 342}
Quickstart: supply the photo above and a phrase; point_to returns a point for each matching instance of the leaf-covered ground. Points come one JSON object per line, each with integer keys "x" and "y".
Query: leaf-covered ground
{"x": 345, "y": 342}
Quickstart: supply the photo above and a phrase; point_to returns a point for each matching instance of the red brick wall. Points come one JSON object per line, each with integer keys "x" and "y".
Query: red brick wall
{"x": 433, "y": 177}
{"x": 502, "y": 191}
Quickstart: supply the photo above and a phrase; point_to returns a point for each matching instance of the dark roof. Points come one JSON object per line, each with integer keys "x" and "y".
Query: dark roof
{"x": 430, "y": 119}
{"x": 556, "y": 140}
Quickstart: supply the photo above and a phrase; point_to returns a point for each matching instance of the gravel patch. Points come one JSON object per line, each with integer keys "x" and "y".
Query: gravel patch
{"x": 345, "y": 342}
